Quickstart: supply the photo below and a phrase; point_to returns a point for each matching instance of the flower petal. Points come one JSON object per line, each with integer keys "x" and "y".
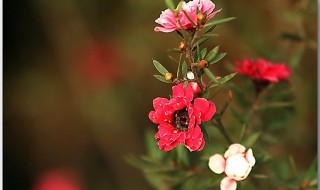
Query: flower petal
{"x": 205, "y": 107}
{"x": 179, "y": 91}
{"x": 228, "y": 184}
{"x": 217, "y": 163}
{"x": 250, "y": 157}
{"x": 234, "y": 149}
{"x": 196, "y": 140}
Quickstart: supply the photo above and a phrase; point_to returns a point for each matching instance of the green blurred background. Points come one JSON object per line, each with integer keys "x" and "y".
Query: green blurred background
{"x": 78, "y": 82}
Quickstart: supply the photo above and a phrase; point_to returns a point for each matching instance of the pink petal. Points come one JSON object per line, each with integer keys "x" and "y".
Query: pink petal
{"x": 234, "y": 149}
{"x": 217, "y": 163}
{"x": 250, "y": 157}
{"x": 228, "y": 184}
{"x": 162, "y": 29}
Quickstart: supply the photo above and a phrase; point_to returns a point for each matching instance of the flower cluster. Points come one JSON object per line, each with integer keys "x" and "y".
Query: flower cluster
{"x": 179, "y": 119}
{"x": 187, "y": 17}
{"x": 263, "y": 70}
{"x": 236, "y": 164}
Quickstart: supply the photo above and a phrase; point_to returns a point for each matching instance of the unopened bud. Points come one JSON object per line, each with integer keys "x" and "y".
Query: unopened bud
{"x": 168, "y": 76}
{"x": 190, "y": 75}
{"x": 203, "y": 63}
{"x": 218, "y": 77}
{"x": 182, "y": 46}
{"x": 201, "y": 19}
{"x": 230, "y": 95}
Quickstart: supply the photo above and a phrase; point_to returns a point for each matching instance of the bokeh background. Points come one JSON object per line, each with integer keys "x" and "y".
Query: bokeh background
{"x": 78, "y": 83}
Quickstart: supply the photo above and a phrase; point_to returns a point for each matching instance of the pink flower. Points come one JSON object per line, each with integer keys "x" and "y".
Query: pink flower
{"x": 168, "y": 20}
{"x": 179, "y": 119}
{"x": 236, "y": 164}
{"x": 263, "y": 70}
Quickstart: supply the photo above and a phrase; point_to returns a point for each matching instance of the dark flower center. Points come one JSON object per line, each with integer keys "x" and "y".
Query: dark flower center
{"x": 181, "y": 119}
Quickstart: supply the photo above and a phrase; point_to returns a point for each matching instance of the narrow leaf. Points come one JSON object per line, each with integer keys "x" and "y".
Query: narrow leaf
{"x": 162, "y": 79}
{"x": 242, "y": 132}
{"x": 249, "y": 142}
{"x": 184, "y": 69}
{"x": 160, "y": 68}
{"x": 205, "y": 133}
{"x": 210, "y": 75}
{"x": 179, "y": 6}
{"x": 223, "y": 80}
{"x": 217, "y": 58}
{"x": 220, "y": 21}
{"x": 212, "y": 54}
{"x": 185, "y": 84}
{"x": 170, "y": 4}
{"x": 203, "y": 53}
{"x": 183, "y": 158}
{"x": 174, "y": 50}
{"x": 216, "y": 116}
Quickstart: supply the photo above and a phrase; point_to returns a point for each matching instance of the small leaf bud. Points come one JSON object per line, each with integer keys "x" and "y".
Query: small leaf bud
{"x": 168, "y": 76}
{"x": 201, "y": 19}
{"x": 190, "y": 75}
{"x": 203, "y": 63}
{"x": 182, "y": 46}
{"x": 218, "y": 77}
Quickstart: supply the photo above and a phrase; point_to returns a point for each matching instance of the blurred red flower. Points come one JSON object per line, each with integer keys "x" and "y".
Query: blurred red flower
{"x": 263, "y": 70}
{"x": 58, "y": 180}
{"x": 99, "y": 62}
{"x": 179, "y": 119}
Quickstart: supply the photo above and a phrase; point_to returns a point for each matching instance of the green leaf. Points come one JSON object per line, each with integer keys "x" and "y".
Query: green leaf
{"x": 152, "y": 149}
{"x": 203, "y": 53}
{"x": 243, "y": 130}
{"x": 160, "y": 68}
{"x": 183, "y": 157}
{"x": 212, "y": 54}
{"x": 292, "y": 37}
{"x": 210, "y": 75}
{"x": 170, "y": 4}
{"x": 312, "y": 171}
{"x": 185, "y": 84}
{"x": 223, "y": 80}
{"x": 220, "y": 21}
{"x": 162, "y": 79}
{"x": 249, "y": 142}
{"x": 296, "y": 57}
{"x": 260, "y": 176}
{"x": 216, "y": 116}
{"x": 217, "y": 58}
{"x": 179, "y": 6}
{"x": 174, "y": 50}
{"x": 205, "y": 133}
{"x": 184, "y": 69}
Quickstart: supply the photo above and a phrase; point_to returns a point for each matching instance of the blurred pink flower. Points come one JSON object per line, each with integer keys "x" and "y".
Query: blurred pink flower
{"x": 236, "y": 164}
{"x": 58, "y": 179}
{"x": 263, "y": 70}
{"x": 179, "y": 119}
{"x": 168, "y": 20}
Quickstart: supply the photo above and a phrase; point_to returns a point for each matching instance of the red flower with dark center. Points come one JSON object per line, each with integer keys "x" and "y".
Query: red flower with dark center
{"x": 179, "y": 119}
{"x": 263, "y": 70}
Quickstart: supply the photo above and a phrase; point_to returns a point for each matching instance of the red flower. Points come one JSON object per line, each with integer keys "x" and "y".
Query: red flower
{"x": 179, "y": 119}
{"x": 263, "y": 70}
